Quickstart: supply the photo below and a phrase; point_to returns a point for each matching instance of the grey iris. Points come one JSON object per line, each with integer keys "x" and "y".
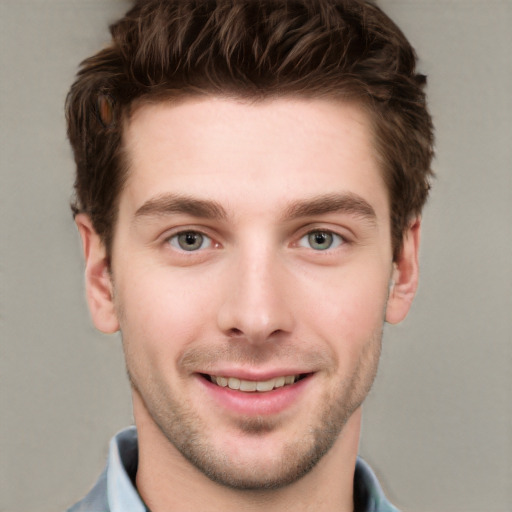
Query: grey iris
{"x": 320, "y": 240}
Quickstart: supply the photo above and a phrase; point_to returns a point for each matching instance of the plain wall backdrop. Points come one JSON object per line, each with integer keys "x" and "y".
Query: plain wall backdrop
{"x": 437, "y": 425}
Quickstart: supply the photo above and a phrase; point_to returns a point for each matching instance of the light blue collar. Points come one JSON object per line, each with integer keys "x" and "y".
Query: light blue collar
{"x": 122, "y": 495}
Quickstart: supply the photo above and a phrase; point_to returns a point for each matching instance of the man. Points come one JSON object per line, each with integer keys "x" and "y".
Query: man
{"x": 250, "y": 178}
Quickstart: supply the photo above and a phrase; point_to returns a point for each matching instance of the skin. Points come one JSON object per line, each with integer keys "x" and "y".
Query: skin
{"x": 291, "y": 272}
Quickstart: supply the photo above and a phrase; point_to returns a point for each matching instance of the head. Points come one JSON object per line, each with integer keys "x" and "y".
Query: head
{"x": 249, "y": 179}
{"x": 166, "y": 51}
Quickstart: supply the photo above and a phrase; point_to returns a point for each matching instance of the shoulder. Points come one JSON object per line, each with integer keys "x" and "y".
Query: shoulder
{"x": 114, "y": 490}
{"x": 96, "y": 500}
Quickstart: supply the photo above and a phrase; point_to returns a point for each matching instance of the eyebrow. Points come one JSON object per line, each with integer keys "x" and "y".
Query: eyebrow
{"x": 172, "y": 203}
{"x": 331, "y": 203}
{"x": 169, "y": 204}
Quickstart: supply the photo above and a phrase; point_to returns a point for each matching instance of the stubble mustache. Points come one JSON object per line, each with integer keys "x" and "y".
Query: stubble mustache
{"x": 208, "y": 357}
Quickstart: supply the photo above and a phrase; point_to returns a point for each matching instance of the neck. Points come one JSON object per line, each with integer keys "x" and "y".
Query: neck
{"x": 167, "y": 481}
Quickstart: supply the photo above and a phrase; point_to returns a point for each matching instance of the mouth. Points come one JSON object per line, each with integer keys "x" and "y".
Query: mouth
{"x": 252, "y": 386}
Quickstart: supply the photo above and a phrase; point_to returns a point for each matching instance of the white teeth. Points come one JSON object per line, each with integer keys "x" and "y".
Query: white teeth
{"x": 267, "y": 385}
{"x": 248, "y": 385}
{"x": 252, "y": 385}
{"x": 222, "y": 381}
{"x": 234, "y": 383}
{"x": 281, "y": 381}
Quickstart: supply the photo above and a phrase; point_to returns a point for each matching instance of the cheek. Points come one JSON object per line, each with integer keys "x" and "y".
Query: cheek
{"x": 160, "y": 314}
{"x": 347, "y": 309}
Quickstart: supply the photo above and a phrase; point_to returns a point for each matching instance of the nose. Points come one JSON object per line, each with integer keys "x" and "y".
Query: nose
{"x": 257, "y": 299}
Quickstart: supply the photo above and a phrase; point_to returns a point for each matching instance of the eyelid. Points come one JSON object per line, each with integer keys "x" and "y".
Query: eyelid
{"x": 345, "y": 232}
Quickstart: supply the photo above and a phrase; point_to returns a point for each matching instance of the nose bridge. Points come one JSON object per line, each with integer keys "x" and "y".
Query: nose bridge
{"x": 255, "y": 305}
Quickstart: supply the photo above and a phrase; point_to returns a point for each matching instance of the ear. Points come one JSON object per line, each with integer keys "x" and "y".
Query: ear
{"x": 404, "y": 280}
{"x": 98, "y": 281}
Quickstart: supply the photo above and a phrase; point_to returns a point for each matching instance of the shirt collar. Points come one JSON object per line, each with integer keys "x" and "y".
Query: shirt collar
{"x": 122, "y": 467}
{"x": 368, "y": 494}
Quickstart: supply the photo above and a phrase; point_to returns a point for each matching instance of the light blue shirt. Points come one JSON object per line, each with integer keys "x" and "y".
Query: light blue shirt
{"x": 115, "y": 491}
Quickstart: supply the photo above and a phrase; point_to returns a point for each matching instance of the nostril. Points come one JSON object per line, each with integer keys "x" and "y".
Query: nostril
{"x": 234, "y": 332}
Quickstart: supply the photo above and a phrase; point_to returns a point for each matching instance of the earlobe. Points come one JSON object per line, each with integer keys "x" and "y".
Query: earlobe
{"x": 404, "y": 280}
{"x": 98, "y": 280}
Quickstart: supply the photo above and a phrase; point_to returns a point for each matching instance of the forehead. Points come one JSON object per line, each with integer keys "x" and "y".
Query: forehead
{"x": 261, "y": 152}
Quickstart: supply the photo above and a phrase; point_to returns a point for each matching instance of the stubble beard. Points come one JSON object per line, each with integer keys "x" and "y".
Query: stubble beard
{"x": 190, "y": 435}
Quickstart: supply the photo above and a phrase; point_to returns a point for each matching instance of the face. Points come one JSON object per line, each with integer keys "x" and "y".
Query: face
{"x": 251, "y": 272}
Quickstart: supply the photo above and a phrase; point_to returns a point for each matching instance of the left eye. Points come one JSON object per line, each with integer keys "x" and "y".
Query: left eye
{"x": 190, "y": 241}
{"x": 321, "y": 240}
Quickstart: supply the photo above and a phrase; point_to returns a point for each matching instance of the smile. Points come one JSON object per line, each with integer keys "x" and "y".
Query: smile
{"x": 251, "y": 386}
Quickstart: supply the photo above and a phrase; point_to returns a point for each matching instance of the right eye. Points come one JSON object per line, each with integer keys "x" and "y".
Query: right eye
{"x": 190, "y": 241}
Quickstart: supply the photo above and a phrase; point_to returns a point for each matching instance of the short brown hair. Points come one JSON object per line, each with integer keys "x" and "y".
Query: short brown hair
{"x": 253, "y": 49}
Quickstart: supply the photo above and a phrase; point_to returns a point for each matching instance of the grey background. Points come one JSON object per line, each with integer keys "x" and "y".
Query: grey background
{"x": 437, "y": 425}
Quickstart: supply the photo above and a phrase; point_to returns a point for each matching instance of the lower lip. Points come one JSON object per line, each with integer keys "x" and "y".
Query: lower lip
{"x": 256, "y": 403}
